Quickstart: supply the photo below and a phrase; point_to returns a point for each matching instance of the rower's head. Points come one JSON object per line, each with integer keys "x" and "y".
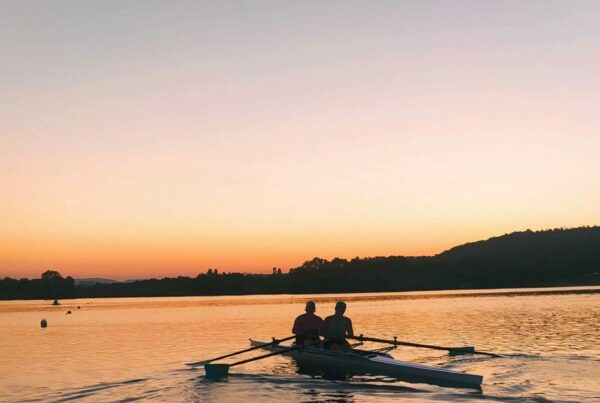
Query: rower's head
{"x": 310, "y": 307}
{"x": 340, "y": 308}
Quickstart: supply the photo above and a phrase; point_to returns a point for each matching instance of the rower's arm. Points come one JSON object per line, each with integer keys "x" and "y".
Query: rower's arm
{"x": 324, "y": 328}
{"x": 295, "y": 329}
{"x": 350, "y": 331}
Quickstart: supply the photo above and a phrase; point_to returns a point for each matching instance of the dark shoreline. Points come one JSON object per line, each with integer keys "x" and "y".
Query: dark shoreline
{"x": 391, "y": 295}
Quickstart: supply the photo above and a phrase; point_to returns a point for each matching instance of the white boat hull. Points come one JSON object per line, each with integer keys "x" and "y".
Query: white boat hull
{"x": 378, "y": 364}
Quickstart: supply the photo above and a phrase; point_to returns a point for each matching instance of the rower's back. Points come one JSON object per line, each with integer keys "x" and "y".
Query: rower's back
{"x": 336, "y": 328}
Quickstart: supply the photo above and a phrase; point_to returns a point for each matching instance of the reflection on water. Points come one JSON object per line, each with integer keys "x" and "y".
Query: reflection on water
{"x": 135, "y": 348}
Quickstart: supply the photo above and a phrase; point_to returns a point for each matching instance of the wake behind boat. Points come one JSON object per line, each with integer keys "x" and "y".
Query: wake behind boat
{"x": 373, "y": 363}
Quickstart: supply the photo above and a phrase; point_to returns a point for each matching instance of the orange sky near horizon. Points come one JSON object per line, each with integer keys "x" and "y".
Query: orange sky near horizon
{"x": 151, "y": 139}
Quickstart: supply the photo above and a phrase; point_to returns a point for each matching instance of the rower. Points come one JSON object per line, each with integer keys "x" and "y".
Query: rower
{"x": 306, "y": 326}
{"x": 336, "y": 328}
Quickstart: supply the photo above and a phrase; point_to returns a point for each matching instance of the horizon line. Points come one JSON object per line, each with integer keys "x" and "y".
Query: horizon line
{"x": 315, "y": 257}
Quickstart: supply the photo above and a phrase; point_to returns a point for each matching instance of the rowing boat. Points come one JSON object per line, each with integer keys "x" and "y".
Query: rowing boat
{"x": 372, "y": 363}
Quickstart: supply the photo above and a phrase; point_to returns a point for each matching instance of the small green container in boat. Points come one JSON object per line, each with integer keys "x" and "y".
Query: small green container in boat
{"x": 216, "y": 371}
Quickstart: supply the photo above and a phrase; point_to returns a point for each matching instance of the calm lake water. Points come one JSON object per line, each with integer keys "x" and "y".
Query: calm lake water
{"x": 126, "y": 349}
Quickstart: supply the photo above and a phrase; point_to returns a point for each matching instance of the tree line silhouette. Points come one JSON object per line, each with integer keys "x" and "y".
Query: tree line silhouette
{"x": 51, "y": 285}
{"x": 557, "y": 257}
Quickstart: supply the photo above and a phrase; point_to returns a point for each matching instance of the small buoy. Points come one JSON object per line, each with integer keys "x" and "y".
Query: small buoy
{"x": 78, "y": 307}
{"x": 43, "y": 323}
{"x": 55, "y": 302}
{"x": 68, "y": 313}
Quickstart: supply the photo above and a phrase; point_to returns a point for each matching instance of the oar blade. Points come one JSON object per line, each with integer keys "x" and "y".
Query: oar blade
{"x": 216, "y": 371}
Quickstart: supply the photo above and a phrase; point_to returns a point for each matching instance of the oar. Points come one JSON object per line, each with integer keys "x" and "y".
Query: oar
{"x": 451, "y": 350}
{"x": 217, "y": 371}
{"x": 275, "y": 341}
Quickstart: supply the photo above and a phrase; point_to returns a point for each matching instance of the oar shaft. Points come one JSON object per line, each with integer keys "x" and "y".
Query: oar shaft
{"x": 488, "y": 354}
{"x": 395, "y": 342}
{"x": 275, "y": 341}
{"x": 260, "y": 357}
{"x": 402, "y": 343}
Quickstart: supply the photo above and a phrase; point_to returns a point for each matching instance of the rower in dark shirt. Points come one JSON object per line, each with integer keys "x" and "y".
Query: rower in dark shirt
{"x": 307, "y": 326}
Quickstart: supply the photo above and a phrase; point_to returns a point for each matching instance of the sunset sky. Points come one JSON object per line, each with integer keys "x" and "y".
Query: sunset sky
{"x": 158, "y": 138}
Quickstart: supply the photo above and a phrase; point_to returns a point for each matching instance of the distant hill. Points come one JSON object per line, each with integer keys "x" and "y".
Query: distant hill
{"x": 583, "y": 240}
{"x": 520, "y": 259}
{"x": 88, "y": 282}
{"x": 552, "y": 257}
{"x": 557, "y": 257}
